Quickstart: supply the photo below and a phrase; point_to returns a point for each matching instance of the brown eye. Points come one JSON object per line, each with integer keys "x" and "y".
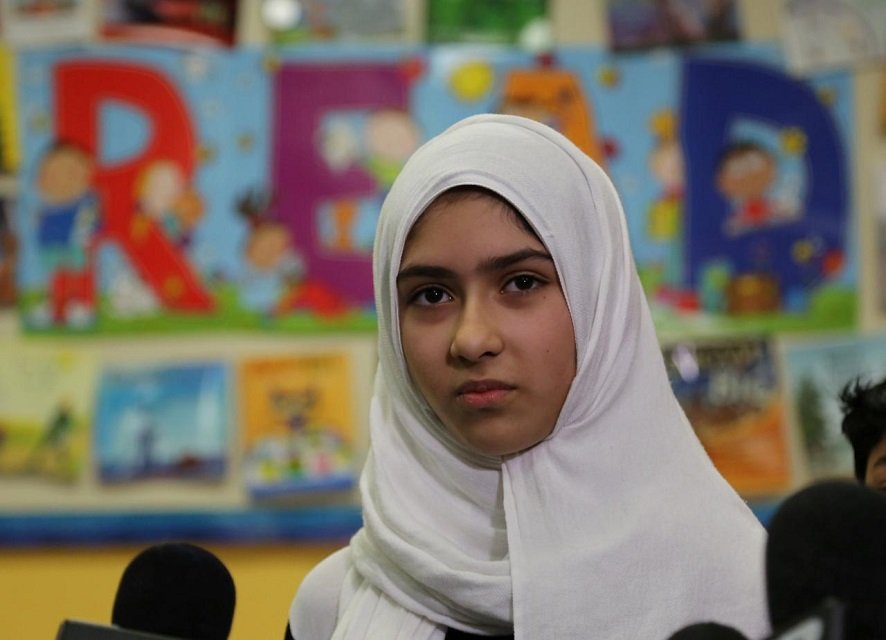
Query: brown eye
{"x": 431, "y": 296}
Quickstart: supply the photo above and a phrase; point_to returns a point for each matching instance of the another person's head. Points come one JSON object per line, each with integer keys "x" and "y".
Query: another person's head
{"x": 176, "y": 589}
{"x": 864, "y": 425}
{"x": 825, "y": 542}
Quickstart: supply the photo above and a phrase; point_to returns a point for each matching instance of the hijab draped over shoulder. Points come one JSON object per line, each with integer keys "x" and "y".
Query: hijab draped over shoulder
{"x": 616, "y": 526}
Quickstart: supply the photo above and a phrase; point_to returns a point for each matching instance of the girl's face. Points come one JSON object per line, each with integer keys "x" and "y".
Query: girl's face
{"x": 486, "y": 332}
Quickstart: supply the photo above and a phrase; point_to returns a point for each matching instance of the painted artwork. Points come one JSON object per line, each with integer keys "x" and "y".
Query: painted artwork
{"x": 191, "y": 22}
{"x": 297, "y": 424}
{"x": 645, "y": 24}
{"x": 738, "y": 199}
{"x": 484, "y": 21}
{"x": 816, "y": 372}
{"x": 242, "y": 191}
{"x": 828, "y": 34}
{"x": 8, "y": 254}
{"x": 733, "y": 398}
{"x": 45, "y": 412}
{"x": 292, "y": 22}
{"x": 162, "y": 421}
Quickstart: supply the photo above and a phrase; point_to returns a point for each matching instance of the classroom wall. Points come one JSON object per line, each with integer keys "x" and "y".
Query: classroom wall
{"x": 39, "y": 587}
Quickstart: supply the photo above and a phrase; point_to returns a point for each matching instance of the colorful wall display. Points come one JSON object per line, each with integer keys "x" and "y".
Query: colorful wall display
{"x": 733, "y": 398}
{"x": 298, "y": 424}
{"x": 242, "y": 190}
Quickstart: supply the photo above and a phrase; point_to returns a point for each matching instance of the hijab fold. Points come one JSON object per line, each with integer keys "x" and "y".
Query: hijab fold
{"x": 617, "y": 526}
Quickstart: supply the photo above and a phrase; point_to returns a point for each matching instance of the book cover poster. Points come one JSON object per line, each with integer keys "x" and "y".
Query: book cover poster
{"x": 817, "y": 372}
{"x": 162, "y": 421}
{"x": 644, "y": 24}
{"x": 46, "y": 411}
{"x": 297, "y": 424}
{"x": 734, "y": 401}
{"x": 183, "y": 22}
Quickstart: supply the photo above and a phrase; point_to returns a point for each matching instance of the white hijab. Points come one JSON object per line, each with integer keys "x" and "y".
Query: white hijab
{"x": 617, "y": 525}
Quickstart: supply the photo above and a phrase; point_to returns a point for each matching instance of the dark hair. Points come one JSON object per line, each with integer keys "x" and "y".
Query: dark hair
{"x": 465, "y": 192}
{"x": 864, "y": 419}
{"x": 740, "y": 148}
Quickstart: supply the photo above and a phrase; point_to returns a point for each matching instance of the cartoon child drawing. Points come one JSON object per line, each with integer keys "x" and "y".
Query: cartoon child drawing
{"x": 273, "y": 266}
{"x": 66, "y": 232}
{"x": 163, "y": 194}
{"x": 745, "y": 173}
{"x": 665, "y": 221}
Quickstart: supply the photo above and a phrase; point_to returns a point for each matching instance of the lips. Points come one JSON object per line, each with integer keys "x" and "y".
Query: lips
{"x": 484, "y": 393}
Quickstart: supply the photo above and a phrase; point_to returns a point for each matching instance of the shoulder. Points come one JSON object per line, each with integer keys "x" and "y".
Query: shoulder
{"x": 314, "y": 610}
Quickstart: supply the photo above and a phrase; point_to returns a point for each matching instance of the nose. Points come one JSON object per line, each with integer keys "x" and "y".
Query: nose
{"x": 477, "y": 333}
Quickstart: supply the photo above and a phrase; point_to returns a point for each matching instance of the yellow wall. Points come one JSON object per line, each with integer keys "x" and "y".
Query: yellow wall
{"x": 40, "y": 588}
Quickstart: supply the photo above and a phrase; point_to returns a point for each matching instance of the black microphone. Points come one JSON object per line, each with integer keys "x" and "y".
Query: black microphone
{"x": 826, "y": 542}
{"x": 176, "y": 589}
{"x": 708, "y": 631}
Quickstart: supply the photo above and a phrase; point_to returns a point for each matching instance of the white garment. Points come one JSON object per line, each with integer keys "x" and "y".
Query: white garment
{"x": 617, "y": 526}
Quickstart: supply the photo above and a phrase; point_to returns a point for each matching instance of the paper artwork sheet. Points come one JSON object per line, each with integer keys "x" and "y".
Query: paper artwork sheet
{"x": 644, "y": 24}
{"x": 45, "y": 22}
{"x": 733, "y": 398}
{"x": 827, "y": 34}
{"x": 320, "y": 20}
{"x": 817, "y": 372}
{"x": 46, "y": 409}
{"x": 297, "y": 424}
{"x": 162, "y": 421}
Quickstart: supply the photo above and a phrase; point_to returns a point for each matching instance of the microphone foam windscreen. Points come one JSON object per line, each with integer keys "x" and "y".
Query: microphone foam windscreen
{"x": 708, "y": 631}
{"x": 176, "y": 589}
{"x": 827, "y": 540}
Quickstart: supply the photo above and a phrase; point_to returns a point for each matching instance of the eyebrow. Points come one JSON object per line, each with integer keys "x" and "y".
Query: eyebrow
{"x": 495, "y": 263}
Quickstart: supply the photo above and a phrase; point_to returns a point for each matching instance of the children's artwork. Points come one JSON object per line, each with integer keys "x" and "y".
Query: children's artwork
{"x": 300, "y": 21}
{"x": 825, "y": 34}
{"x": 192, "y": 22}
{"x": 643, "y": 24}
{"x": 297, "y": 423}
{"x": 243, "y": 189}
{"x": 485, "y": 21}
{"x": 162, "y": 421}
{"x": 737, "y": 198}
{"x": 879, "y": 184}
{"x": 817, "y": 372}
{"x": 42, "y": 22}
{"x": 45, "y": 412}
{"x": 733, "y": 399}
{"x": 207, "y": 188}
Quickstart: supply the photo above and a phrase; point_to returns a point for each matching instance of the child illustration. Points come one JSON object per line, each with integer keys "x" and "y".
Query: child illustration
{"x": 67, "y": 226}
{"x": 163, "y": 194}
{"x": 746, "y": 174}
{"x": 665, "y": 221}
{"x": 273, "y": 265}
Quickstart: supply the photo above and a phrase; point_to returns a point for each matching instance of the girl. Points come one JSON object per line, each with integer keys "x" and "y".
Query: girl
{"x": 530, "y": 472}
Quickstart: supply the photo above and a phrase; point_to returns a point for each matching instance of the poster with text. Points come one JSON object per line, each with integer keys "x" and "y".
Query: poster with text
{"x": 733, "y": 398}
{"x": 46, "y": 410}
{"x": 297, "y": 424}
{"x": 162, "y": 421}
{"x": 817, "y": 372}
